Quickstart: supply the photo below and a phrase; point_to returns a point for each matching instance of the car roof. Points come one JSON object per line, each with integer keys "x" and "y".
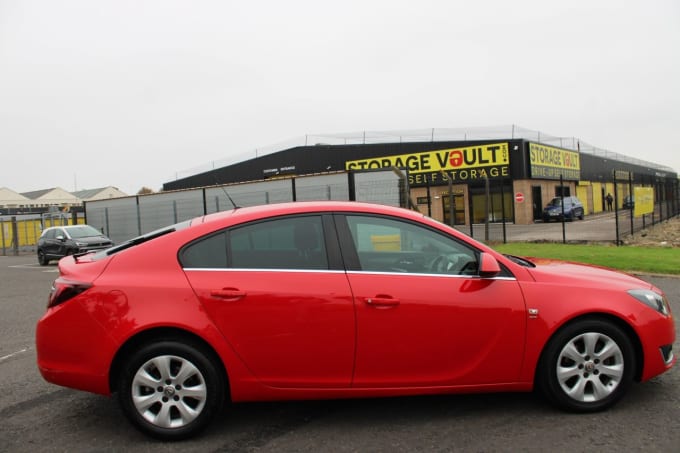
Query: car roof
{"x": 302, "y": 207}
{"x": 253, "y": 213}
{"x": 67, "y": 227}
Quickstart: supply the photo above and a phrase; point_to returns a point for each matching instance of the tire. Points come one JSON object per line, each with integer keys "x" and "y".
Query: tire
{"x": 42, "y": 259}
{"x": 170, "y": 390}
{"x": 587, "y": 366}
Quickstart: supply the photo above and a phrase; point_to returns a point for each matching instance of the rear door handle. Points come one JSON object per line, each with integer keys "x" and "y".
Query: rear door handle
{"x": 382, "y": 301}
{"x": 228, "y": 293}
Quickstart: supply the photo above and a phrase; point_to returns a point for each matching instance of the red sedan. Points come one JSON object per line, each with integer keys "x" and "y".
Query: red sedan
{"x": 339, "y": 300}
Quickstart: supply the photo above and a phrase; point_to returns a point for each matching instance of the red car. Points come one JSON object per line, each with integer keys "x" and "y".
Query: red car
{"x": 339, "y": 300}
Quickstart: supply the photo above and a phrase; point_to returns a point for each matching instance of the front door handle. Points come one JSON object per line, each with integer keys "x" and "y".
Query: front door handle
{"x": 382, "y": 301}
{"x": 228, "y": 293}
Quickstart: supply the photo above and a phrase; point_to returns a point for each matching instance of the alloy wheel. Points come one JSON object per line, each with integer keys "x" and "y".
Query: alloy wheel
{"x": 590, "y": 367}
{"x": 169, "y": 391}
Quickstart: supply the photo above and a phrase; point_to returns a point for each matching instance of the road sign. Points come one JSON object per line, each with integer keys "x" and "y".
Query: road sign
{"x": 519, "y": 197}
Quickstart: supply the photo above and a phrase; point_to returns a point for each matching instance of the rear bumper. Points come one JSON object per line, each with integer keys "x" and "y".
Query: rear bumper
{"x": 74, "y": 350}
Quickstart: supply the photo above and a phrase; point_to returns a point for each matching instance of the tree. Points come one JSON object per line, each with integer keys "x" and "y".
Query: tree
{"x": 144, "y": 191}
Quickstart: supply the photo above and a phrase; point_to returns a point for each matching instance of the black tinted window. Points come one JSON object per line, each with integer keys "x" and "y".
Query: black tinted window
{"x": 285, "y": 243}
{"x": 210, "y": 252}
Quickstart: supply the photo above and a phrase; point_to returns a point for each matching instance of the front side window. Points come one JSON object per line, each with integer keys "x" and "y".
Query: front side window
{"x": 388, "y": 245}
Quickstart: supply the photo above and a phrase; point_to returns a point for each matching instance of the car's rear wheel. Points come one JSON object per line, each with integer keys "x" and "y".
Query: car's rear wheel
{"x": 587, "y": 366}
{"x": 170, "y": 390}
{"x": 42, "y": 258}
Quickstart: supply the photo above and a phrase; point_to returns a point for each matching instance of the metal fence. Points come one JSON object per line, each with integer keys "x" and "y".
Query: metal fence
{"x": 125, "y": 218}
{"x": 614, "y": 227}
{"x": 21, "y": 232}
{"x": 128, "y": 217}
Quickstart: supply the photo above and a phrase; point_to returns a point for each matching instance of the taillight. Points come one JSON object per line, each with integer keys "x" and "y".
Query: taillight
{"x": 63, "y": 290}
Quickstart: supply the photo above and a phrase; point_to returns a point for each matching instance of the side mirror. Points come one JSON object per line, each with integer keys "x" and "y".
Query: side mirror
{"x": 60, "y": 238}
{"x": 488, "y": 266}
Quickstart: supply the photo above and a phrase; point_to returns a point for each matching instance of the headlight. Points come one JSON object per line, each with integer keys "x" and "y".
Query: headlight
{"x": 654, "y": 300}
{"x": 81, "y": 244}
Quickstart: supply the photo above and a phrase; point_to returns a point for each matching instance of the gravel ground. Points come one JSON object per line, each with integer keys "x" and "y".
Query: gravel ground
{"x": 666, "y": 234}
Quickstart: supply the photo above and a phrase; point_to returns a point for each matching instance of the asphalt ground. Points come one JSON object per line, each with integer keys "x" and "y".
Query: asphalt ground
{"x": 37, "y": 416}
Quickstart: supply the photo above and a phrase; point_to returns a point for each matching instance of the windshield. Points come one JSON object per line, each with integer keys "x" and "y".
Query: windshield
{"x": 555, "y": 202}
{"x": 83, "y": 231}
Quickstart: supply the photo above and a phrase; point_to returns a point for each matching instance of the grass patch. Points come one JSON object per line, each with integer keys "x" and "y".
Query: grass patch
{"x": 654, "y": 260}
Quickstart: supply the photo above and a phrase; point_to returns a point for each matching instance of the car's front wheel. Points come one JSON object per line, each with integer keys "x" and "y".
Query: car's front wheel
{"x": 42, "y": 258}
{"x": 170, "y": 390}
{"x": 587, "y": 366}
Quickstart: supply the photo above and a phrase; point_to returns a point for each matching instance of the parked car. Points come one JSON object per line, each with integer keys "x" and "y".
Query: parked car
{"x": 629, "y": 202}
{"x": 317, "y": 300}
{"x": 573, "y": 209}
{"x": 56, "y": 242}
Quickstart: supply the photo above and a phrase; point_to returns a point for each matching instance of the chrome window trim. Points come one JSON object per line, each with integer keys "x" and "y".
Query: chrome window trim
{"x": 403, "y": 274}
{"x": 251, "y": 269}
{"x": 329, "y": 271}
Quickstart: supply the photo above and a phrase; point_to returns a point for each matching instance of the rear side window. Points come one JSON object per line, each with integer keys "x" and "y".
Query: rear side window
{"x": 283, "y": 243}
{"x": 210, "y": 252}
{"x": 287, "y": 243}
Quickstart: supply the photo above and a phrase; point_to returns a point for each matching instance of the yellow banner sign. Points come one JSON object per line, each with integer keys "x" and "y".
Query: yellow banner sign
{"x": 551, "y": 163}
{"x": 444, "y": 159}
{"x": 644, "y": 201}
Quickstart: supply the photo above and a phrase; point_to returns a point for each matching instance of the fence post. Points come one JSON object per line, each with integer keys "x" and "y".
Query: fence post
{"x": 139, "y": 217}
{"x": 505, "y": 235}
{"x": 2, "y": 236}
{"x": 25, "y": 222}
{"x": 564, "y": 227}
{"x": 616, "y": 209}
{"x": 631, "y": 210}
{"x": 352, "y": 187}
{"x": 15, "y": 236}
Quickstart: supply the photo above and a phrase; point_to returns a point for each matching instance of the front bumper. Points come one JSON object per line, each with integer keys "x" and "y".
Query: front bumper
{"x": 657, "y": 339}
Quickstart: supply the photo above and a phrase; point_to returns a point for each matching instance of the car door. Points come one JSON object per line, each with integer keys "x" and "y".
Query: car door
{"x": 53, "y": 243}
{"x": 424, "y": 316}
{"x": 278, "y": 292}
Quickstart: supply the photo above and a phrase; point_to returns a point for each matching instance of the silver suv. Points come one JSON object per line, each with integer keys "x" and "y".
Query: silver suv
{"x": 57, "y": 242}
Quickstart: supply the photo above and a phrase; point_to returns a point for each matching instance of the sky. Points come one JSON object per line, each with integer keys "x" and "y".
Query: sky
{"x": 134, "y": 93}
